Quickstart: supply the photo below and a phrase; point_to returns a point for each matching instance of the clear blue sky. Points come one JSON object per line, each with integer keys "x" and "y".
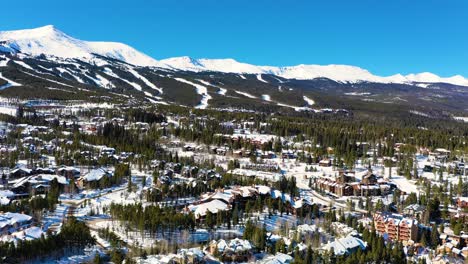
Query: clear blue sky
{"x": 402, "y": 36}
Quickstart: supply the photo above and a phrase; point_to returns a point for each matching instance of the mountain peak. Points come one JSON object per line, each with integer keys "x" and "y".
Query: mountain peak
{"x": 51, "y": 41}
{"x": 46, "y": 28}
{"x": 40, "y": 32}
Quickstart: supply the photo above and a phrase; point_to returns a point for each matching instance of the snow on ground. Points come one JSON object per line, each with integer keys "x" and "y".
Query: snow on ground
{"x": 206, "y": 83}
{"x": 309, "y": 101}
{"x": 8, "y": 110}
{"x": 9, "y": 84}
{"x": 407, "y": 186}
{"x": 51, "y": 41}
{"x": 139, "y": 76}
{"x": 245, "y": 94}
{"x": 157, "y": 259}
{"x": 259, "y": 77}
{"x": 277, "y": 222}
{"x": 147, "y": 239}
{"x": 100, "y": 81}
{"x": 156, "y": 102}
{"x": 103, "y": 82}
{"x": 419, "y": 113}
{"x": 5, "y": 196}
{"x": 49, "y": 80}
{"x": 357, "y": 94}
{"x": 90, "y": 106}
{"x": 221, "y": 91}
{"x": 104, "y": 243}
{"x": 148, "y": 94}
{"x": 3, "y": 63}
{"x": 30, "y": 233}
{"x": 422, "y": 85}
{"x": 201, "y": 90}
{"x": 272, "y": 176}
{"x": 280, "y": 81}
{"x": 242, "y": 76}
{"x": 44, "y": 68}
{"x": 266, "y": 97}
{"x": 297, "y": 108}
{"x": 53, "y": 220}
{"x": 112, "y": 74}
{"x": 63, "y": 70}
{"x": 97, "y": 200}
{"x": 153, "y": 98}
{"x": 86, "y": 256}
{"x": 461, "y": 118}
{"x": 24, "y": 65}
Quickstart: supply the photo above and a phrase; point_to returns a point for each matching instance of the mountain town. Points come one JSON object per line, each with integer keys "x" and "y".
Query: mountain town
{"x": 108, "y": 155}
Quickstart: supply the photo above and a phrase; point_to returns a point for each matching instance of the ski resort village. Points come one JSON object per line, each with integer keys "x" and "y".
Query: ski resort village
{"x": 110, "y": 156}
{"x": 86, "y": 182}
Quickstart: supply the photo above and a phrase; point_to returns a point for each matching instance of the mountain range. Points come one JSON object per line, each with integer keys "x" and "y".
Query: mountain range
{"x": 51, "y": 41}
{"x": 45, "y": 63}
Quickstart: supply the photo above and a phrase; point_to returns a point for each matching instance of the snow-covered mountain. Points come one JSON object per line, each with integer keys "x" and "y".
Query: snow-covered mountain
{"x": 51, "y": 41}
{"x": 219, "y": 65}
{"x": 339, "y": 73}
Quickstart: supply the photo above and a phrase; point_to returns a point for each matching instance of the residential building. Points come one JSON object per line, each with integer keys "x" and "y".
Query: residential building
{"x": 396, "y": 227}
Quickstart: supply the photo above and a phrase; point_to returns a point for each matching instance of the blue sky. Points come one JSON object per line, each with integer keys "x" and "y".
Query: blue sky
{"x": 385, "y": 37}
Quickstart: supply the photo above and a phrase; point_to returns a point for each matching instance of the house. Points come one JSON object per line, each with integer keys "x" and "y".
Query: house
{"x": 271, "y": 167}
{"x": 303, "y": 231}
{"x": 293, "y": 205}
{"x": 28, "y": 234}
{"x": 19, "y": 171}
{"x": 369, "y": 178}
{"x": 223, "y": 195}
{"x": 263, "y": 190}
{"x": 301, "y": 206}
{"x": 279, "y": 258}
{"x": 94, "y": 175}
{"x": 106, "y": 151}
{"x": 36, "y": 184}
{"x": 68, "y": 172}
{"x": 244, "y": 193}
{"x": 455, "y": 240}
{"x": 346, "y": 245}
{"x": 414, "y": 210}
{"x": 12, "y": 222}
{"x": 343, "y": 230}
{"x": 340, "y": 186}
{"x": 40, "y": 170}
{"x": 236, "y": 250}
{"x": 189, "y": 256}
{"x": 213, "y": 206}
{"x": 325, "y": 163}
{"x": 462, "y": 202}
{"x": 439, "y": 154}
{"x": 428, "y": 168}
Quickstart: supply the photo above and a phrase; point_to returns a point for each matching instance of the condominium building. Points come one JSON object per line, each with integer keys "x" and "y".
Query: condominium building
{"x": 396, "y": 227}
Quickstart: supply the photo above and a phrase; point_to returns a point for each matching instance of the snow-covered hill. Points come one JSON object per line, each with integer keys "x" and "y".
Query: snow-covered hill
{"x": 51, "y": 41}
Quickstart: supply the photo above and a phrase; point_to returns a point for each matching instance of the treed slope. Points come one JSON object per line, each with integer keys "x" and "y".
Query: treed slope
{"x": 50, "y": 77}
